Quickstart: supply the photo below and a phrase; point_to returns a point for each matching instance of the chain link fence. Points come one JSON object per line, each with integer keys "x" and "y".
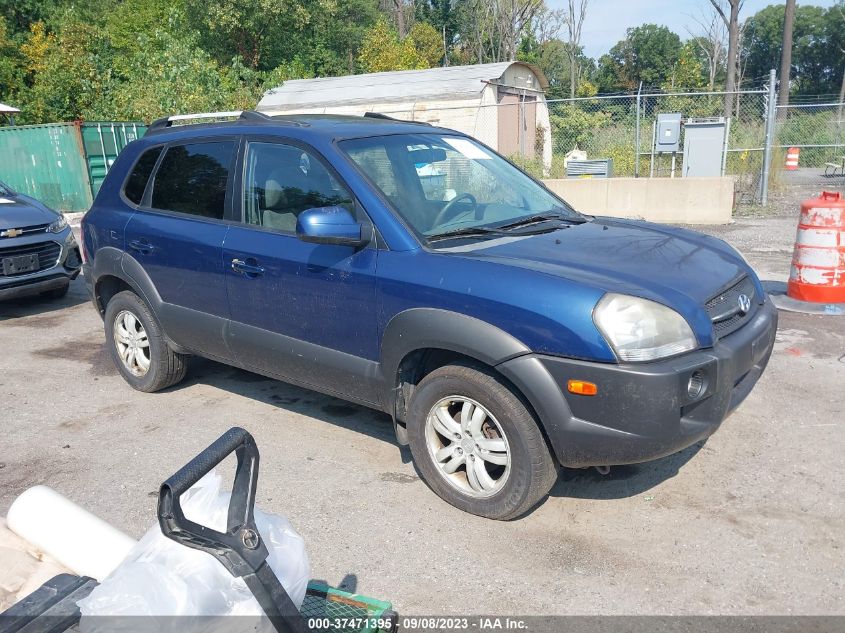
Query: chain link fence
{"x": 813, "y": 134}
{"x": 541, "y": 136}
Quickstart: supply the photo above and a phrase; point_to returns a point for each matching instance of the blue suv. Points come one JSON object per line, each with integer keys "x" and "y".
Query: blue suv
{"x": 411, "y": 269}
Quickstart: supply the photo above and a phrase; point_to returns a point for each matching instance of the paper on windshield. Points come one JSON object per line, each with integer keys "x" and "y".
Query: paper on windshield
{"x": 468, "y": 149}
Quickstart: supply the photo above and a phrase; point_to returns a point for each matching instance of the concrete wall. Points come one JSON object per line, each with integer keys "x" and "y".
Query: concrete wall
{"x": 668, "y": 200}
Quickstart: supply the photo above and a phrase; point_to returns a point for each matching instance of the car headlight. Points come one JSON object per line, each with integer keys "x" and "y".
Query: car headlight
{"x": 639, "y": 330}
{"x": 58, "y": 225}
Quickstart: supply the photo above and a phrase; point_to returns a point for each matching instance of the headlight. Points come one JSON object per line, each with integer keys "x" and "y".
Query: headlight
{"x": 58, "y": 225}
{"x": 639, "y": 329}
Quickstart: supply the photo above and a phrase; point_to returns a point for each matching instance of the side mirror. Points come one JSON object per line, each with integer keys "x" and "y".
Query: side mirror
{"x": 330, "y": 225}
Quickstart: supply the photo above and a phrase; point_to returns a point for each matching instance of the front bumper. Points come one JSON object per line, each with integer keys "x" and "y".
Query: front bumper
{"x": 65, "y": 270}
{"x": 643, "y": 411}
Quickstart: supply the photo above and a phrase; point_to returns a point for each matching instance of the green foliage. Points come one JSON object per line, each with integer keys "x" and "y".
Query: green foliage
{"x": 573, "y": 126}
{"x": 254, "y": 30}
{"x": 71, "y": 74}
{"x": 11, "y": 64}
{"x": 19, "y": 14}
{"x": 194, "y": 82}
{"x": 687, "y": 73}
{"x": 383, "y": 50}
{"x": 818, "y": 52}
{"x": 648, "y": 53}
{"x": 66, "y": 59}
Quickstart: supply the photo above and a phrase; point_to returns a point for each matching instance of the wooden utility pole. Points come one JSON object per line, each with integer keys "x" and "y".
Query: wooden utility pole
{"x": 786, "y": 52}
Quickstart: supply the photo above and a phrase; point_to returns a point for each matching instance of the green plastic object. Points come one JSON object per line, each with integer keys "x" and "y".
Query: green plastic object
{"x": 334, "y": 610}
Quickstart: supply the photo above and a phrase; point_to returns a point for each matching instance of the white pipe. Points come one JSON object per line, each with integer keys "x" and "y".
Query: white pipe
{"x": 74, "y": 537}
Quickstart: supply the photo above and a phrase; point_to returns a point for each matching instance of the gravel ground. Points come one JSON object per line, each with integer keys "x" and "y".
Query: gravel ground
{"x": 750, "y": 522}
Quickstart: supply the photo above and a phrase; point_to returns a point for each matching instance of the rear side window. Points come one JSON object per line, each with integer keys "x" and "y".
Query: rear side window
{"x": 137, "y": 181}
{"x": 192, "y": 178}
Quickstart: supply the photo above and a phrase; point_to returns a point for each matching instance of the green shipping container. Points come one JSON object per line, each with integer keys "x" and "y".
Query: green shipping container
{"x": 62, "y": 164}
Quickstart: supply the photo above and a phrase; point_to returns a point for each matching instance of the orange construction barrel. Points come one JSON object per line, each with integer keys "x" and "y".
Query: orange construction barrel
{"x": 792, "y": 156}
{"x": 818, "y": 261}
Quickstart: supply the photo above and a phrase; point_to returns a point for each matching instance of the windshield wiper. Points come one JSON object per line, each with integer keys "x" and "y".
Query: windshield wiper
{"x": 468, "y": 231}
{"x": 537, "y": 218}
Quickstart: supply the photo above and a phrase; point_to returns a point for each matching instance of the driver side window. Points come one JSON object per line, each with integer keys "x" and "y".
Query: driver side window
{"x": 282, "y": 181}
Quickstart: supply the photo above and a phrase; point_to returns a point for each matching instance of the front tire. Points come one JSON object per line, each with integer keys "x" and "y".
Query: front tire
{"x": 477, "y": 445}
{"x": 138, "y": 347}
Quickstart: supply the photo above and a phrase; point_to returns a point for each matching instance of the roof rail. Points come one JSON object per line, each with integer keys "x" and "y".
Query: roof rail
{"x": 379, "y": 115}
{"x": 245, "y": 115}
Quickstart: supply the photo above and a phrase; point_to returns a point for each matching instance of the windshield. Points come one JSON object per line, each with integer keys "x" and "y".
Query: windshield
{"x": 5, "y": 190}
{"x": 451, "y": 184}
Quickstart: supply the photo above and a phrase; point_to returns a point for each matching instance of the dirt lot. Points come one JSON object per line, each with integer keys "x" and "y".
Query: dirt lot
{"x": 751, "y": 522}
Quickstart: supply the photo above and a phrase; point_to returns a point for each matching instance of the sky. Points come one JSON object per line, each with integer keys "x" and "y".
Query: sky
{"x": 607, "y": 20}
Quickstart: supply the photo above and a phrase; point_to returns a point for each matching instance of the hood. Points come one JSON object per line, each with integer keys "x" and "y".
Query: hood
{"x": 679, "y": 268}
{"x": 18, "y": 211}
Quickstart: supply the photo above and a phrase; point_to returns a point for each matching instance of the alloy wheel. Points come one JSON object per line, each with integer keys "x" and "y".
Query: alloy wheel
{"x": 132, "y": 343}
{"x": 468, "y": 446}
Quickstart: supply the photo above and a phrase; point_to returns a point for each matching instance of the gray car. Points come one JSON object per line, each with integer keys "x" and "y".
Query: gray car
{"x": 38, "y": 253}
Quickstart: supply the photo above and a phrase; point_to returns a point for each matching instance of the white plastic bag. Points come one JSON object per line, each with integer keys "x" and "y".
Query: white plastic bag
{"x": 160, "y": 577}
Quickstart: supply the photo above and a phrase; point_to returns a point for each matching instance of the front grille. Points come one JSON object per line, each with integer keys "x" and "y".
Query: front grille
{"x": 724, "y": 311}
{"x": 27, "y": 230}
{"x": 48, "y": 255}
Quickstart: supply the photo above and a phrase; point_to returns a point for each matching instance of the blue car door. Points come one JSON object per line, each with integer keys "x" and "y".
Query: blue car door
{"x": 304, "y": 312}
{"x": 176, "y": 237}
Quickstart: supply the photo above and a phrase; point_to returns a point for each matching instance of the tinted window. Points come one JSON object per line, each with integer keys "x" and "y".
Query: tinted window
{"x": 192, "y": 178}
{"x": 282, "y": 181}
{"x": 137, "y": 181}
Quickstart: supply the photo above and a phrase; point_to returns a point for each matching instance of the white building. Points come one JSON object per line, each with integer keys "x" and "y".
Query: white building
{"x": 501, "y": 104}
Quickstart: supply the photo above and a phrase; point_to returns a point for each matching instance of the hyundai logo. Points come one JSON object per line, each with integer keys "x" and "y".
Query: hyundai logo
{"x": 744, "y": 303}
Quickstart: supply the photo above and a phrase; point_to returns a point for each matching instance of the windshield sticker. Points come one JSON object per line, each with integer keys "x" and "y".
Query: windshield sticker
{"x": 6, "y": 201}
{"x": 468, "y": 149}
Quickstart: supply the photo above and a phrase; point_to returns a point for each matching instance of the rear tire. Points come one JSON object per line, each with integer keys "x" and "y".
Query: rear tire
{"x": 467, "y": 420}
{"x": 138, "y": 347}
{"x": 56, "y": 293}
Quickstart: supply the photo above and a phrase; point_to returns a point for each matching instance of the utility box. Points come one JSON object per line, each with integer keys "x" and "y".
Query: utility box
{"x": 600, "y": 168}
{"x": 668, "y": 133}
{"x": 704, "y": 147}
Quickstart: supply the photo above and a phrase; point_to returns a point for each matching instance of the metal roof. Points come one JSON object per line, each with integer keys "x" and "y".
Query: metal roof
{"x": 450, "y": 82}
{"x": 6, "y": 109}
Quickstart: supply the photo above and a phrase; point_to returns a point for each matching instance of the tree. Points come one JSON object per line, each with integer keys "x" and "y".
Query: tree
{"x": 495, "y": 28}
{"x": 444, "y": 16}
{"x": 11, "y": 65}
{"x": 730, "y": 17}
{"x": 573, "y": 17}
{"x": 786, "y": 52}
{"x": 330, "y": 43}
{"x": 817, "y": 55}
{"x": 18, "y": 15}
{"x": 70, "y": 73}
{"x": 648, "y": 54}
{"x": 711, "y": 44}
{"x": 383, "y": 50}
{"x": 687, "y": 73}
{"x": 254, "y": 30}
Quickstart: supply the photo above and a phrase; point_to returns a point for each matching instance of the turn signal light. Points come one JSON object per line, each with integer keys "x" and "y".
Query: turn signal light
{"x": 582, "y": 387}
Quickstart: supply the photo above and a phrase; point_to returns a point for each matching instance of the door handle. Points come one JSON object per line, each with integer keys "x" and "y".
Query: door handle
{"x": 142, "y": 246}
{"x": 250, "y": 268}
